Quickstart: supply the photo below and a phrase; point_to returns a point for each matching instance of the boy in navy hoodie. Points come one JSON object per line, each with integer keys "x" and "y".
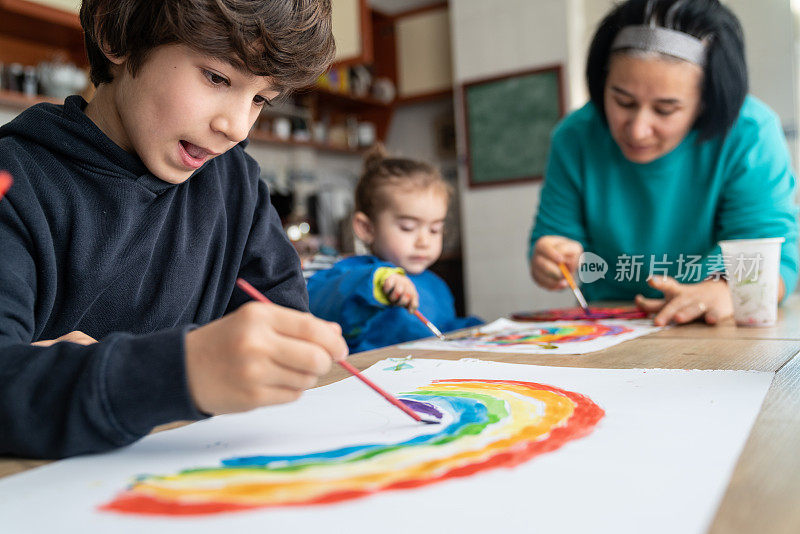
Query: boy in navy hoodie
{"x": 130, "y": 219}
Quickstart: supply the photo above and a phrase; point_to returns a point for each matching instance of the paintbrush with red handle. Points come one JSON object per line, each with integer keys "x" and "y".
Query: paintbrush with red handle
{"x": 5, "y": 183}
{"x": 429, "y": 324}
{"x": 255, "y": 294}
{"x": 432, "y": 327}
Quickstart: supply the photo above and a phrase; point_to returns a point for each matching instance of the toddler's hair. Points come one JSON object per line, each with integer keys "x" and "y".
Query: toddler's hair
{"x": 289, "y": 40}
{"x": 382, "y": 172}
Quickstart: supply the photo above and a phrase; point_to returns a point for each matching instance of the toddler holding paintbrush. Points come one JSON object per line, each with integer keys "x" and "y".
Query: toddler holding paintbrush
{"x": 400, "y": 208}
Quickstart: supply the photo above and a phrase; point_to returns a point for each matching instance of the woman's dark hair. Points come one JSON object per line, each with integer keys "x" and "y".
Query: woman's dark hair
{"x": 288, "y": 40}
{"x": 382, "y": 172}
{"x": 725, "y": 73}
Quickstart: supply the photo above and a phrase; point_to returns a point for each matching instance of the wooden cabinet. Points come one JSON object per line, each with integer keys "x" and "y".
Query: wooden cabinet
{"x": 411, "y": 49}
{"x": 424, "y": 66}
{"x": 361, "y": 36}
{"x": 32, "y": 32}
{"x": 352, "y": 31}
{"x": 71, "y": 6}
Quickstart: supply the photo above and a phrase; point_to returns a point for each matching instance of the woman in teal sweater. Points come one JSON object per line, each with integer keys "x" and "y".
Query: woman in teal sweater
{"x": 670, "y": 157}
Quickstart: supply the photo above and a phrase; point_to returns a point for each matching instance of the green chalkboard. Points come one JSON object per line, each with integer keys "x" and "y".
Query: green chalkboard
{"x": 509, "y": 120}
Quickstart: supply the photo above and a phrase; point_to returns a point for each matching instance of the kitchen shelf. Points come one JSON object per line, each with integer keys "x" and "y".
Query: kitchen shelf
{"x": 259, "y": 136}
{"x": 20, "y": 101}
{"x": 29, "y": 25}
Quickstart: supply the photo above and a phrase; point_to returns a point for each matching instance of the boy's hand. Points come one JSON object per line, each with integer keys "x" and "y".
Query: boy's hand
{"x": 258, "y": 355}
{"x": 683, "y": 303}
{"x": 401, "y": 291}
{"x": 549, "y": 251}
{"x": 76, "y": 336}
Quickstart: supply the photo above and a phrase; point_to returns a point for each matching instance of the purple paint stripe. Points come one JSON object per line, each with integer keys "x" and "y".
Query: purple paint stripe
{"x": 422, "y": 407}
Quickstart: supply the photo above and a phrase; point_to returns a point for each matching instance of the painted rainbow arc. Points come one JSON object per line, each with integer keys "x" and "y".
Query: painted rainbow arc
{"x": 537, "y": 335}
{"x": 486, "y": 424}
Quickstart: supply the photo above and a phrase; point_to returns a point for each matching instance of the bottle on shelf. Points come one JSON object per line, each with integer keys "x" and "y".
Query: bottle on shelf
{"x": 30, "y": 81}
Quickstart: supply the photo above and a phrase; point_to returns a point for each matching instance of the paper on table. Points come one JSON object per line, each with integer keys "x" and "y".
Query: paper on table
{"x": 657, "y": 460}
{"x": 554, "y": 337}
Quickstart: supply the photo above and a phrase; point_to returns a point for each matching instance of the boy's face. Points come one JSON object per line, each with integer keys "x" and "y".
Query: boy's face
{"x": 408, "y": 233}
{"x": 181, "y": 110}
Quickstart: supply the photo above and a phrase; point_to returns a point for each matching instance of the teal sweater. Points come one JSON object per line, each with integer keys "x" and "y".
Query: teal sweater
{"x": 680, "y": 205}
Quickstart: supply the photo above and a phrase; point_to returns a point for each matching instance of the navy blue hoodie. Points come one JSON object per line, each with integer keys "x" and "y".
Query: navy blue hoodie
{"x": 90, "y": 240}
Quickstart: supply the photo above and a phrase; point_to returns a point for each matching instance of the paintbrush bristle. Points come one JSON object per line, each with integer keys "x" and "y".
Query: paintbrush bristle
{"x": 428, "y": 421}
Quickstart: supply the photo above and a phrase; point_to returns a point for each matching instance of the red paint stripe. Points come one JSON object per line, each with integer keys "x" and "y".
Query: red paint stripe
{"x": 5, "y": 183}
{"x": 131, "y": 503}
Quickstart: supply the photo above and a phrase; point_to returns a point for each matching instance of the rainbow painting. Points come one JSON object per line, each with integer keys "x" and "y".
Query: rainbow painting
{"x": 519, "y": 448}
{"x": 555, "y": 337}
{"x": 485, "y": 425}
{"x": 546, "y": 335}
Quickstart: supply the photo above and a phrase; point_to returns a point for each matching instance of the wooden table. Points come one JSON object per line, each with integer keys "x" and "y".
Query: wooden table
{"x": 764, "y": 492}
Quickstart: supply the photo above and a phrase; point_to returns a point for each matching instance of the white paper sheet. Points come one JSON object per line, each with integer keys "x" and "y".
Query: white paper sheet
{"x": 553, "y": 337}
{"x": 653, "y": 452}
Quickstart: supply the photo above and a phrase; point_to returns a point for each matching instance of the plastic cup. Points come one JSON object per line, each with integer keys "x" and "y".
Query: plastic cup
{"x": 752, "y": 267}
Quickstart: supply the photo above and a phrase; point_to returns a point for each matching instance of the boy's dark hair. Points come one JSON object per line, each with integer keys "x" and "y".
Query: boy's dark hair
{"x": 725, "y": 73}
{"x": 289, "y": 40}
{"x": 381, "y": 172}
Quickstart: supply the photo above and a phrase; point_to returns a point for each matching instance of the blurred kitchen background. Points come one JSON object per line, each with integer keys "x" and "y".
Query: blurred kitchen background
{"x": 398, "y": 78}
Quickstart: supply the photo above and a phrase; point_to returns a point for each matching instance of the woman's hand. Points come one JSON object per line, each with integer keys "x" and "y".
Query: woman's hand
{"x": 683, "y": 303}
{"x": 549, "y": 251}
{"x": 76, "y": 336}
{"x": 401, "y": 291}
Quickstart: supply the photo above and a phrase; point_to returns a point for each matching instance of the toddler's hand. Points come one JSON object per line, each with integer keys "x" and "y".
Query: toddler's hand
{"x": 401, "y": 291}
{"x": 76, "y": 336}
{"x": 549, "y": 251}
{"x": 258, "y": 355}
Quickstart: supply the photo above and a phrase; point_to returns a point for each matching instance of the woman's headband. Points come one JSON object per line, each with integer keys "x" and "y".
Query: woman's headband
{"x": 657, "y": 39}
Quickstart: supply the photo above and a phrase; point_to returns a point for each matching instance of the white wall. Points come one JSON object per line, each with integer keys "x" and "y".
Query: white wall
{"x": 412, "y": 132}
{"x": 490, "y": 38}
{"x": 7, "y": 114}
{"x": 769, "y": 41}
